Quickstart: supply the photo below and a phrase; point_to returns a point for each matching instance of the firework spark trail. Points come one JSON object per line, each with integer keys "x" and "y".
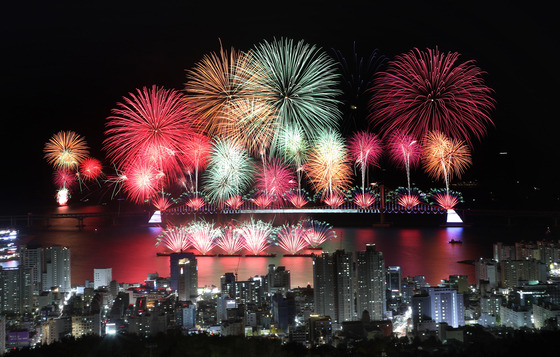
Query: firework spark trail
{"x": 91, "y": 168}
{"x": 294, "y": 146}
{"x": 152, "y": 125}
{"x": 300, "y": 81}
{"x": 445, "y": 157}
{"x": 317, "y": 232}
{"x": 203, "y": 235}
{"x": 229, "y": 173}
{"x": 64, "y": 178}
{"x": 291, "y": 238}
{"x": 199, "y": 147}
{"x": 175, "y": 239}
{"x": 274, "y": 180}
{"x": 231, "y": 241}
{"x": 142, "y": 181}
{"x": 328, "y": 166}
{"x": 257, "y": 235}
{"x": 365, "y": 149}
{"x": 216, "y": 83}
{"x": 431, "y": 91}
{"x": 65, "y": 149}
{"x": 405, "y": 151}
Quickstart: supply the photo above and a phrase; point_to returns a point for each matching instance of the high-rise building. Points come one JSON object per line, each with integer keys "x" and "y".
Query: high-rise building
{"x": 371, "y": 283}
{"x": 2, "y": 335}
{"x": 187, "y": 288}
{"x": 174, "y": 268}
{"x": 439, "y": 305}
{"x": 277, "y": 279}
{"x": 16, "y": 291}
{"x": 394, "y": 281}
{"x": 333, "y": 281}
{"x": 31, "y": 257}
{"x": 513, "y": 271}
{"x": 57, "y": 269}
{"x": 102, "y": 277}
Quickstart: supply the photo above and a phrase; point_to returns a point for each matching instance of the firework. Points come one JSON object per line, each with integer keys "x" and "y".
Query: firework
{"x": 364, "y": 199}
{"x": 257, "y": 235}
{"x": 291, "y": 238}
{"x": 230, "y": 241}
{"x": 408, "y": 198}
{"x": 408, "y": 201}
{"x": 196, "y": 203}
{"x": 62, "y": 196}
{"x": 262, "y": 201}
{"x": 405, "y": 151}
{"x": 431, "y": 91}
{"x": 357, "y": 78}
{"x": 328, "y": 166}
{"x": 274, "y": 180}
{"x": 317, "y": 232}
{"x": 65, "y": 149}
{"x": 297, "y": 198}
{"x": 365, "y": 149}
{"x": 153, "y": 125}
{"x": 175, "y": 239}
{"x": 333, "y": 200}
{"x": 215, "y": 84}
{"x": 199, "y": 147}
{"x": 64, "y": 178}
{"x": 229, "y": 172}
{"x": 300, "y": 81}
{"x": 161, "y": 203}
{"x": 445, "y": 157}
{"x": 203, "y": 236}
{"x": 446, "y": 199}
{"x": 90, "y": 168}
{"x": 294, "y": 147}
{"x": 234, "y": 201}
{"x": 141, "y": 181}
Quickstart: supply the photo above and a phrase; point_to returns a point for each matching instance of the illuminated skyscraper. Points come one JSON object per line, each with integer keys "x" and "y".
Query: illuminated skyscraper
{"x": 57, "y": 269}
{"x": 188, "y": 279}
{"x": 102, "y": 277}
{"x": 371, "y": 283}
{"x": 333, "y": 280}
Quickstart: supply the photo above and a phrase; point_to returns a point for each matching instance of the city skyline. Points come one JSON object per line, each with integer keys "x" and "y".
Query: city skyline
{"x": 88, "y": 71}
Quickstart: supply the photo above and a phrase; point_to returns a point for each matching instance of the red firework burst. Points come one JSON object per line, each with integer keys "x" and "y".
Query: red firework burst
{"x": 334, "y": 200}
{"x": 231, "y": 241}
{"x": 446, "y": 200}
{"x": 175, "y": 239}
{"x": 404, "y": 149}
{"x": 296, "y": 198}
{"x": 161, "y": 203}
{"x": 263, "y": 201}
{"x": 90, "y": 168}
{"x": 365, "y": 149}
{"x": 142, "y": 181}
{"x": 431, "y": 91}
{"x": 408, "y": 201}
{"x": 196, "y": 203}
{"x": 364, "y": 200}
{"x": 234, "y": 201}
{"x": 317, "y": 232}
{"x": 275, "y": 179}
{"x": 153, "y": 124}
{"x": 64, "y": 178}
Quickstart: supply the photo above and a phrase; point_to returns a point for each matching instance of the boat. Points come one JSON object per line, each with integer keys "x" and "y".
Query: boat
{"x": 8, "y": 247}
{"x": 453, "y": 241}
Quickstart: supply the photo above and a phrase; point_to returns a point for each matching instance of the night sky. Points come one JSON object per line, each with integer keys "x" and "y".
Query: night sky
{"x": 67, "y": 64}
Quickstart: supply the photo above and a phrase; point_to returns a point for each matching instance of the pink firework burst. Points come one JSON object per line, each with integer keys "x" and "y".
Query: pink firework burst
{"x": 405, "y": 150}
{"x": 203, "y": 236}
{"x": 364, "y": 199}
{"x": 175, "y": 239}
{"x": 64, "y": 178}
{"x": 275, "y": 179}
{"x": 263, "y": 200}
{"x": 334, "y": 200}
{"x": 291, "y": 238}
{"x": 424, "y": 91}
{"x": 317, "y": 232}
{"x": 199, "y": 146}
{"x": 196, "y": 203}
{"x": 141, "y": 183}
{"x": 234, "y": 202}
{"x": 256, "y": 235}
{"x": 153, "y": 124}
{"x": 446, "y": 200}
{"x": 161, "y": 203}
{"x": 408, "y": 201}
{"x": 91, "y": 168}
{"x": 231, "y": 241}
{"x": 365, "y": 149}
{"x": 297, "y": 198}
